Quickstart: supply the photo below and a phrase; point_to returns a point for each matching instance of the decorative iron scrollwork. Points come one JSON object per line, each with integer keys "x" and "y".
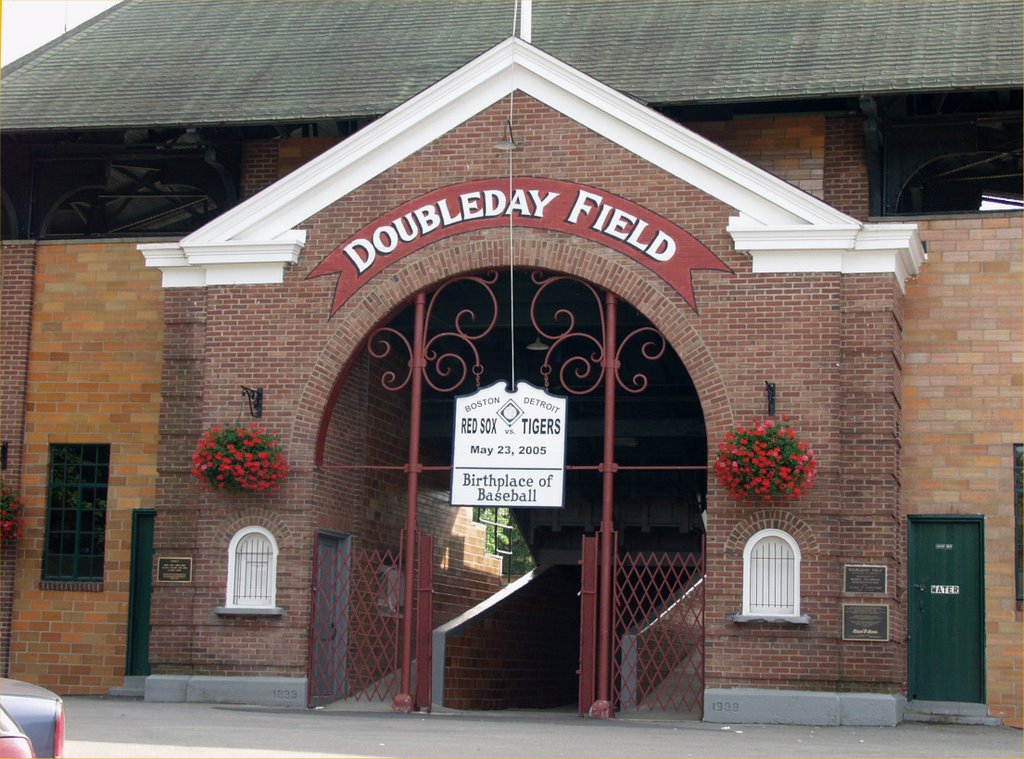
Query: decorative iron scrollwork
{"x": 569, "y": 314}
{"x": 651, "y": 347}
{"x": 450, "y": 355}
{"x": 581, "y": 352}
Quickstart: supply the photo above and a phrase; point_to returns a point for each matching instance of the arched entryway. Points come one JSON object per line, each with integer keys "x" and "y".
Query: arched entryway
{"x": 636, "y": 457}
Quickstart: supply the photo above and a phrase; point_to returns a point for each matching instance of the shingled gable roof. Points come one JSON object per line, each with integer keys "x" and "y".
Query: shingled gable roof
{"x": 783, "y": 227}
{"x": 154, "y": 63}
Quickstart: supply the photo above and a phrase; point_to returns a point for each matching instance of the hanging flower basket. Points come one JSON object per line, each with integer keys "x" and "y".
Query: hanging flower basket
{"x": 239, "y": 459}
{"x": 12, "y": 511}
{"x": 765, "y": 463}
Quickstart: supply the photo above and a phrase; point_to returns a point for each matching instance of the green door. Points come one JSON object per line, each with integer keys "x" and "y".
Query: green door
{"x": 946, "y": 614}
{"x": 140, "y": 591}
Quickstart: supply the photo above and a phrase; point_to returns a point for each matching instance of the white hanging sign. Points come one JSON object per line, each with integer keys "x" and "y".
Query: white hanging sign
{"x": 509, "y": 448}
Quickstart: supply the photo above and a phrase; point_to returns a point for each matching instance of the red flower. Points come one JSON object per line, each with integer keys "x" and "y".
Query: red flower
{"x": 237, "y": 459}
{"x": 765, "y": 463}
{"x": 12, "y": 511}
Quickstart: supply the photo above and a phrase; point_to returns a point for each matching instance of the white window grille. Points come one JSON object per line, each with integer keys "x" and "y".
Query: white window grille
{"x": 252, "y": 569}
{"x": 771, "y": 575}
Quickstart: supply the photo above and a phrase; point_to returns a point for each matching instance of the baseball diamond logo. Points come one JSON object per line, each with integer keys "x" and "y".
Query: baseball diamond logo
{"x": 648, "y": 238}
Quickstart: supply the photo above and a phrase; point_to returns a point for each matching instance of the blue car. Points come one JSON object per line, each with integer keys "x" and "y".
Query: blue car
{"x": 38, "y": 712}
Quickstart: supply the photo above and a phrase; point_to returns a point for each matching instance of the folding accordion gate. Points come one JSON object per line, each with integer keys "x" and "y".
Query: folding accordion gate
{"x": 657, "y": 643}
{"x": 658, "y": 648}
{"x": 356, "y": 627}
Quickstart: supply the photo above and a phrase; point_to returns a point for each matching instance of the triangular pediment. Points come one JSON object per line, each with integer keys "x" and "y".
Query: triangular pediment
{"x": 780, "y": 225}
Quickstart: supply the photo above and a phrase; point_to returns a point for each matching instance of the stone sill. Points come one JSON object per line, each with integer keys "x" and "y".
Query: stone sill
{"x": 248, "y": 611}
{"x": 803, "y": 619}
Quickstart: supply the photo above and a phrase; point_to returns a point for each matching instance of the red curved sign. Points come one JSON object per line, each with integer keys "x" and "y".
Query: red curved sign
{"x": 665, "y": 248}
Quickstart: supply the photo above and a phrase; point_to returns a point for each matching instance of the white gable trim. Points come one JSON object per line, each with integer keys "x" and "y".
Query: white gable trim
{"x": 260, "y": 233}
{"x": 869, "y": 248}
{"x": 231, "y": 262}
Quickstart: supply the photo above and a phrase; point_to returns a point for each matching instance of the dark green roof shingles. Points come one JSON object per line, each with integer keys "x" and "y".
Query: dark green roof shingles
{"x": 177, "y": 62}
{"x": 734, "y": 50}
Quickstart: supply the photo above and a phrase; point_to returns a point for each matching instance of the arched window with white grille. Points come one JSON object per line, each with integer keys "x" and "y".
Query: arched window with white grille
{"x": 771, "y": 575}
{"x": 252, "y": 569}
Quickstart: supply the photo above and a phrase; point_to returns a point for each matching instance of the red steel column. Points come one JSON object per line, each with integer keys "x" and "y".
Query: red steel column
{"x": 404, "y": 701}
{"x": 602, "y": 708}
{"x": 424, "y": 622}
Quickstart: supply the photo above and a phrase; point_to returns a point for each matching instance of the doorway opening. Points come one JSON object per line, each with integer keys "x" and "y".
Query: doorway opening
{"x": 947, "y": 609}
{"x": 547, "y": 330}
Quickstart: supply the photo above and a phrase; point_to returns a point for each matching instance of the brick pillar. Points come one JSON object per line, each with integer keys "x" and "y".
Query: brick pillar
{"x": 181, "y": 418}
{"x": 17, "y": 274}
{"x": 871, "y": 525}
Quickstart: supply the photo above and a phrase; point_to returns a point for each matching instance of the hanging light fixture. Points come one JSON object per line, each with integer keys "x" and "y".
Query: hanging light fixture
{"x": 537, "y": 345}
{"x": 507, "y": 141}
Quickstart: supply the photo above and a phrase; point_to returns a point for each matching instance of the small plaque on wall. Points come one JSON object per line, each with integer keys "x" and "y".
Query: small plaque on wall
{"x": 174, "y": 569}
{"x": 865, "y": 578}
{"x": 865, "y": 622}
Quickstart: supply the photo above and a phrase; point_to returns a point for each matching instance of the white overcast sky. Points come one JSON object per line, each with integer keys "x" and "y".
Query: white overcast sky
{"x": 27, "y": 24}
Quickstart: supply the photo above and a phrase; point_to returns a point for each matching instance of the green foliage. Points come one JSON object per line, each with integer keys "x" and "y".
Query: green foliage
{"x": 504, "y": 539}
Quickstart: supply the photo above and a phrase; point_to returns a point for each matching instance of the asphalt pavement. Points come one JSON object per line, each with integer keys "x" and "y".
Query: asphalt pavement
{"x": 117, "y": 727}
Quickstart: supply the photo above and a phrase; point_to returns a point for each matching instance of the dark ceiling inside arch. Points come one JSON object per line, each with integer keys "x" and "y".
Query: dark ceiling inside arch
{"x": 660, "y": 426}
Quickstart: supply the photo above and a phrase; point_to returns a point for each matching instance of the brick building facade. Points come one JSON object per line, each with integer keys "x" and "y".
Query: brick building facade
{"x": 904, "y": 383}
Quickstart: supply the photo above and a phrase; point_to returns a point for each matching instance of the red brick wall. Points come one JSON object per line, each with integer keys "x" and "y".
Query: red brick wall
{"x": 182, "y": 386}
{"x": 294, "y": 152}
{"x": 792, "y": 148}
{"x": 266, "y": 161}
{"x": 794, "y": 330}
{"x": 846, "y": 170}
{"x": 964, "y": 394}
{"x": 522, "y": 655}
{"x": 828, "y": 342}
{"x": 370, "y": 426}
{"x": 822, "y": 155}
{"x": 222, "y": 341}
{"x": 259, "y": 167}
{"x": 17, "y": 271}
{"x": 868, "y": 513}
{"x": 831, "y": 344}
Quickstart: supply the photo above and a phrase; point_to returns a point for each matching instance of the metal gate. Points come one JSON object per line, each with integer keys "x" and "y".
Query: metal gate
{"x": 356, "y": 629}
{"x": 584, "y": 355}
{"x": 658, "y": 646}
{"x": 658, "y": 643}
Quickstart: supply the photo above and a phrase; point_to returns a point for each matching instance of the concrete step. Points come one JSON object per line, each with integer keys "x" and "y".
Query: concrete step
{"x": 949, "y": 713}
{"x": 134, "y": 687}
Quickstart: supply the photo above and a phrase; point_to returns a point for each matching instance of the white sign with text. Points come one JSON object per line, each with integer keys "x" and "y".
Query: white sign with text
{"x": 509, "y": 448}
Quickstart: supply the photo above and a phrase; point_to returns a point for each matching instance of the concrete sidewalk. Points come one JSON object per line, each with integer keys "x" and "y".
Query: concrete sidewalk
{"x": 116, "y": 727}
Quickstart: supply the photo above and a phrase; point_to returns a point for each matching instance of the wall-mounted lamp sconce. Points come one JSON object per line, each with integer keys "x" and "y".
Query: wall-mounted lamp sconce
{"x": 3, "y": 455}
{"x": 769, "y": 391}
{"x": 255, "y": 398}
{"x": 507, "y": 141}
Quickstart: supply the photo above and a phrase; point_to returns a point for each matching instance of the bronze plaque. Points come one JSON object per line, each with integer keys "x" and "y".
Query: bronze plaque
{"x": 865, "y": 622}
{"x": 174, "y": 569}
{"x": 864, "y": 578}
